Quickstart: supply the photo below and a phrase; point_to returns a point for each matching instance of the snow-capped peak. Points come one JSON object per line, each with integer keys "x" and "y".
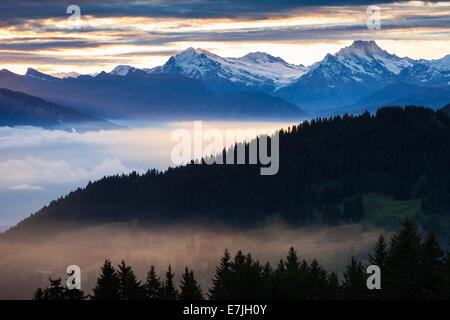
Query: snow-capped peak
{"x": 253, "y": 69}
{"x": 261, "y": 57}
{"x": 368, "y": 58}
{"x": 442, "y": 64}
{"x": 363, "y": 48}
{"x": 122, "y": 70}
{"x": 33, "y": 73}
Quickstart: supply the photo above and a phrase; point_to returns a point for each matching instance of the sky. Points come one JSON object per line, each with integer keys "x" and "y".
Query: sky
{"x": 51, "y": 37}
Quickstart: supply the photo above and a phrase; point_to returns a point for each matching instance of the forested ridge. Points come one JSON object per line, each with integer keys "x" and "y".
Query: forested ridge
{"x": 325, "y": 167}
{"x": 410, "y": 267}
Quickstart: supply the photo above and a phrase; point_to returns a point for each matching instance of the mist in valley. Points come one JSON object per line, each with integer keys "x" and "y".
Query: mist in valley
{"x": 24, "y": 266}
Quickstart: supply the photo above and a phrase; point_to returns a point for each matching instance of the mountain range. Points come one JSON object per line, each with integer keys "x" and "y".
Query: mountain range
{"x": 199, "y": 84}
{"x": 139, "y": 94}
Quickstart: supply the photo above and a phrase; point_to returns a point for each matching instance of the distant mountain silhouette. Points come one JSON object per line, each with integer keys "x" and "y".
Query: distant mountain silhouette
{"x": 401, "y": 94}
{"x": 140, "y": 95}
{"x": 20, "y": 109}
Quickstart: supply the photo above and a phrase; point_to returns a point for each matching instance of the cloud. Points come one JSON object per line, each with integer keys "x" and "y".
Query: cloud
{"x": 14, "y": 11}
{"x": 32, "y": 170}
{"x": 25, "y": 186}
{"x": 145, "y": 33}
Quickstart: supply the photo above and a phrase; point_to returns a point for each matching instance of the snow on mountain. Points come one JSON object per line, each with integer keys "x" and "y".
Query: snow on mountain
{"x": 33, "y": 73}
{"x": 345, "y": 77}
{"x": 429, "y": 72}
{"x": 367, "y": 59}
{"x": 64, "y": 75}
{"x": 122, "y": 70}
{"x": 253, "y": 69}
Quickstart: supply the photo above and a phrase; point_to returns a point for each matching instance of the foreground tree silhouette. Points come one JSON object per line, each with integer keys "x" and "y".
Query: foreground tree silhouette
{"x": 129, "y": 287}
{"x": 190, "y": 289}
{"x": 379, "y": 258}
{"x": 334, "y": 287}
{"x": 404, "y": 263}
{"x": 58, "y": 292}
{"x": 317, "y": 282}
{"x": 410, "y": 269}
{"x": 169, "y": 292}
{"x": 354, "y": 284}
{"x": 107, "y": 287}
{"x": 380, "y": 253}
{"x": 152, "y": 286}
{"x": 245, "y": 278}
{"x": 221, "y": 282}
{"x": 433, "y": 277}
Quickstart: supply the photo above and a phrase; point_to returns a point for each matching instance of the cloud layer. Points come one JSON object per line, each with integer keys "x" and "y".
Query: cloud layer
{"x": 146, "y": 33}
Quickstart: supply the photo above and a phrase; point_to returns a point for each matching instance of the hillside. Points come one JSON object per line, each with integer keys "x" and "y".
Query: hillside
{"x": 20, "y": 109}
{"x": 327, "y": 169}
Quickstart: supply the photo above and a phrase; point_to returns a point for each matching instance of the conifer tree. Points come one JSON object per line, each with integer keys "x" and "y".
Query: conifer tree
{"x": 190, "y": 289}
{"x": 245, "y": 277}
{"x": 379, "y": 258}
{"x": 108, "y": 284}
{"x": 433, "y": 270}
{"x": 334, "y": 288}
{"x": 152, "y": 286}
{"x": 39, "y": 294}
{"x": 129, "y": 287}
{"x": 293, "y": 278}
{"x": 279, "y": 282}
{"x": 220, "y": 289}
{"x": 55, "y": 291}
{"x": 267, "y": 277}
{"x": 317, "y": 282}
{"x": 404, "y": 263}
{"x": 354, "y": 284}
{"x": 380, "y": 253}
{"x": 292, "y": 263}
{"x": 169, "y": 292}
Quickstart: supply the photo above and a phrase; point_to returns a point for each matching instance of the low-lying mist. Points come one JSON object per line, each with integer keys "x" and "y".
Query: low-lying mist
{"x": 26, "y": 265}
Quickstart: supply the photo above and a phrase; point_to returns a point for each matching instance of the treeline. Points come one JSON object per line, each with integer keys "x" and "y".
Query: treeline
{"x": 410, "y": 269}
{"x": 325, "y": 167}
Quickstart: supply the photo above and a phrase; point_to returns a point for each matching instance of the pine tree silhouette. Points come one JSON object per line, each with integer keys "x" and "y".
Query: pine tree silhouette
{"x": 404, "y": 263}
{"x": 317, "y": 282}
{"x": 334, "y": 287}
{"x": 354, "y": 284}
{"x": 379, "y": 257}
{"x": 169, "y": 292}
{"x": 58, "y": 292}
{"x": 38, "y": 294}
{"x": 129, "y": 287}
{"x": 108, "y": 284}
{"x": 380, "y": 253}
{"x": 152, "y": 286}
{"x": 292, "y": 277}
{"x": 433, "y": 273}
{"x": 190, "y": 289}
{"x": 220, "y": 289}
